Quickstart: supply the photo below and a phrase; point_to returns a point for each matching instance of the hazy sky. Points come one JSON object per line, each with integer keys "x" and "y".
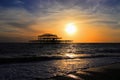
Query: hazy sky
{"x": 96, "y": 20}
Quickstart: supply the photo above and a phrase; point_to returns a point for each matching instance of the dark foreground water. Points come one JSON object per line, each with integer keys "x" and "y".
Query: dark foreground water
{"x": 64, "y": 59}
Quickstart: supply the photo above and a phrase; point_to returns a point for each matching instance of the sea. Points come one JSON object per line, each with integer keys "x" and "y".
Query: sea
{"x": 34, "y": 61}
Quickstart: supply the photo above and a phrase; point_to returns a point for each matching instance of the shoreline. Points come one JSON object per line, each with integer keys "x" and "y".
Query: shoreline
{"x": 106, "y": 72}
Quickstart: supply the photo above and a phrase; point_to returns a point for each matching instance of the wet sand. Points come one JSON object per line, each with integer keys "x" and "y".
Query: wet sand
{"x": 109, "y": 72}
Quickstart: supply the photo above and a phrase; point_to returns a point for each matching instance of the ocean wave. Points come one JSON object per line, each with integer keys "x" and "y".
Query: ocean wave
{"x": 32, "y": 58}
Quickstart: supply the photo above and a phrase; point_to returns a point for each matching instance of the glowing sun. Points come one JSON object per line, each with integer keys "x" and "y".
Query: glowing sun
{"x": 70, "y": 28}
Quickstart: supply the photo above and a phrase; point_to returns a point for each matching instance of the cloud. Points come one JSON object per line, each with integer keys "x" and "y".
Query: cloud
{"x": 16, "y": 17}
{"x": 47, "y": 10}
{"x": 31, "y": 16}
{"x": 18, "y": 2}
{"x": 111, "y": 24}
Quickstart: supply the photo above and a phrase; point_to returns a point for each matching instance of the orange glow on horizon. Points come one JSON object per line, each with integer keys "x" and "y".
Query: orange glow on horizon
{"x": 82, "y": 32}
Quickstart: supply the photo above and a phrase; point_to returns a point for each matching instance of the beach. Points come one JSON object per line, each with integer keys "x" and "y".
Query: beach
{"x": 108, "y": 72}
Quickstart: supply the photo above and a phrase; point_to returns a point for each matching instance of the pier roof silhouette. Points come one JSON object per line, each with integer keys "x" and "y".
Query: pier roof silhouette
{"x": 48, "y": 36}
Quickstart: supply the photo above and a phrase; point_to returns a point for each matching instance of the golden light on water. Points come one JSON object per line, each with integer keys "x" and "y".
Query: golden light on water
{"x": 71, "y": 28}
{"x": 74, "y": 77}
{"x": 70, "y": 55}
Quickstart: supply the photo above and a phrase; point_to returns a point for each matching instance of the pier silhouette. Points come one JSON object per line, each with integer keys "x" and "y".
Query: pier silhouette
{"x": 50, "y": 38}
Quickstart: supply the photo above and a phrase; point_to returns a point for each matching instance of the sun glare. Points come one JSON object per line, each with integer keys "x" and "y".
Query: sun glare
{"x": 70, "y": 28}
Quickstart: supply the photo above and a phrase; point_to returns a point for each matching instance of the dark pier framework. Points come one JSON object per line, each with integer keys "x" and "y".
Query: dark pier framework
{"x": 50, "y": 38}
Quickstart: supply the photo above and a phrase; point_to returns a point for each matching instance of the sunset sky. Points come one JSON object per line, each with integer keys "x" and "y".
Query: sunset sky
{"x": 94, "y": 20}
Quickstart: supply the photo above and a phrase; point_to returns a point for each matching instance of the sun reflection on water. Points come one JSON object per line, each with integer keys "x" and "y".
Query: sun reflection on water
{"x": 71, "y": 60}
{"x": 70, "y": 55}
{"x": 69, "y": 65}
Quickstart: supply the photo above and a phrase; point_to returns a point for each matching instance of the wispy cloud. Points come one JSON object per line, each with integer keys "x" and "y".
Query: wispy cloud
{"x": 16, "y": 17}
{"x": 50, "y": 10}
{"x": 20, "y": 16}
{"x": 19, "y": 2}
